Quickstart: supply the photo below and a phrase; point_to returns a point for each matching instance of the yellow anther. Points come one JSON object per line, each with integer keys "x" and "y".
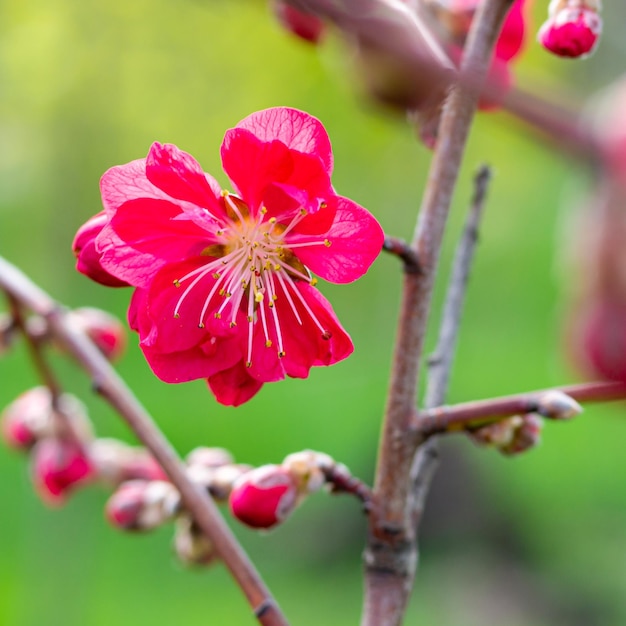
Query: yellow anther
{"x": 263, "y": 210}
{"x": 216, "y": 275}
{"x": 303, "y": 211}
{"x": 258, "y": 297}
{"x": 272, "y": 220}
{"x": 271, "y": 304}
{"x": 222, "y": 291}
{"x": 219, "y": 233}
{"x": 268, "y": 343}
{"x": 200, "y": 325}
{"x": 233, "y": 324}
{"x": 313, "y": 282}
{"x": 281, "y": 354}
{"x": 323, "y": 205}
{"x": 250, "y": 319}
{"x": 176, "y": 283}
{"x": 248, "y": 363}
{"x": 176, "y": 316}
{"x": 217, "y": 316}
{"x": 327, "y": 243}
{"x": 276, "y": 267}
{"x": 224, "y": 193}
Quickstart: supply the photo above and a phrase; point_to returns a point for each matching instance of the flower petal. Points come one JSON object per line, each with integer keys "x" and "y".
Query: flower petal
{"x": 123, "y": 182}
{"x": 180, "y": 176}
{"x": 296, "y": 129}
{"x": 234, "y": 386}
{"x": 356, "y": 238}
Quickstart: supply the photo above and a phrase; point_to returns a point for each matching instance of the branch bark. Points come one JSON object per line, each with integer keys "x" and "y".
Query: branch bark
{"x": 390, "y": 556}
{"x": 115, "y": 391}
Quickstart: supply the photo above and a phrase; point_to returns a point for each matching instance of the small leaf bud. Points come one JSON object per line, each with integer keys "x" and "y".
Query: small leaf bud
{"x": 526, "y": 436}
{"x": 558, "y": 406}
{"x": 191, "y": 545}
{"x": 309, "y": 469}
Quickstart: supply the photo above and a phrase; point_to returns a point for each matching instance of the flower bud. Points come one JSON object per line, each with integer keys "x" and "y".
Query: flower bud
{"x": 572, "y": 30}
{"x": 87, "y": 255}
{"x": 209, "y": 457}
{"x": 105, "y": 330}
{"x": 31, "y": 417}
{"x": 309, "y": 469}
{"x": 142, "y": 505}
{"x": 526, "y": 436}
{"x": 218, "y": 481}
{"x": 57, "y": 467}
{"x": 497, "y": 434}
{"x": 264, "y": 497}
{"x": 304, "y": 25}
{"x": 191, "y": 545}
{"x": 116, "y": 462}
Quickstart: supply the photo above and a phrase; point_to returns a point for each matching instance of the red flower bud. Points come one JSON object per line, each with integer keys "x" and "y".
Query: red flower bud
{"x": 58, "y": 466}
{"x": 571, "y": 32}
{"x": 304, "y": 25}
{"x": 105, "y": 330}
{"x": 264, "y": 497}
{"x": 87, "y": 255}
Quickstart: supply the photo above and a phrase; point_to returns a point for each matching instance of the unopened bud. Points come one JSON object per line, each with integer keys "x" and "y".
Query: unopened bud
{"x": 31, "y": 417}
{"x": 304, "y": 25}
{"x": 218, "y": 481}
{"x": 264, "y": 497}
{"x": 142, "y": 504}
{"x": 88, "y": 256}
{"x": 209, "y": 457}
{"x": 497, "y": 434}
{"x": 105, "y": 330}
{"x": 309, "y": 469}
{"x": 526, "y": 436}
{"x": 57, "y": 467}
{"x": 116, "y": 462}
{"x": 558, "y": 406}
{"x": 571, "y": 31}
{"x": 191, "y": 545}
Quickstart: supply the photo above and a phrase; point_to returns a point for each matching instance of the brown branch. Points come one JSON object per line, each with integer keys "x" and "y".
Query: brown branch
{"x": 390, "y": 556}
{"x": 404, "y": 252}
{"x": 458, "y": 417}
{"x": 440, "y": 363}
{"x": 415, "y": 66}
{"x": 108, "y": 383}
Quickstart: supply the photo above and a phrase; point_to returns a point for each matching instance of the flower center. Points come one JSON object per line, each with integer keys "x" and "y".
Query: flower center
{"x": 253, "y": 270}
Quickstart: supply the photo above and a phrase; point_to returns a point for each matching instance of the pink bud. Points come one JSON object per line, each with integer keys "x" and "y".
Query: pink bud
{"x": 304, "y": 25}
{"x": 28, "y": 418}
{"x": 58, "y": 466}
{"x": 105, "y": 330}
{"x": 264, "y": 497}
{"x": 142, "y": 505}
{"x": 88, "y": 257}
{"x": 571, "y": 32}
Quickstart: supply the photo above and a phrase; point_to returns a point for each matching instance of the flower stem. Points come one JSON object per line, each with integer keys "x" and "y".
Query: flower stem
{"x": 108, "y": 383}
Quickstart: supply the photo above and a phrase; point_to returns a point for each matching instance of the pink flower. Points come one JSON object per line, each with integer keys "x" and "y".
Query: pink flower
{"x": 571, "y": 32}
{"x": 224, "y": 285}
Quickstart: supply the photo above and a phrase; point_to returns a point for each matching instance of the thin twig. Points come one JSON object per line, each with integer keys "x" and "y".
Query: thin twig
{"x": 108, "y": 383}
{"x": 440, "y": 364}
{"x": 457, "y": 417}
{"x": 390, "y": 556}
{"x": 404, "y": 252}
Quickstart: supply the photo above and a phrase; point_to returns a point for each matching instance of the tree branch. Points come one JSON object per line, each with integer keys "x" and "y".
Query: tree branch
{"x": 390, "y": 556}
{"x": 108, "y": 383}
{"x": 465, "y": 415}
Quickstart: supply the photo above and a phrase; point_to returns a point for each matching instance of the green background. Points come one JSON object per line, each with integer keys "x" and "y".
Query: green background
{"x": 538, "y": 540}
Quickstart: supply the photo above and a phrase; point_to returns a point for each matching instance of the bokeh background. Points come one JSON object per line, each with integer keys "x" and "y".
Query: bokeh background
{"x": 538, "y": 540}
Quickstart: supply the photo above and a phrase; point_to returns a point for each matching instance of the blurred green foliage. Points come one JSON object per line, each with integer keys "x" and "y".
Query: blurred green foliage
{"x": 88, "y": 85}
